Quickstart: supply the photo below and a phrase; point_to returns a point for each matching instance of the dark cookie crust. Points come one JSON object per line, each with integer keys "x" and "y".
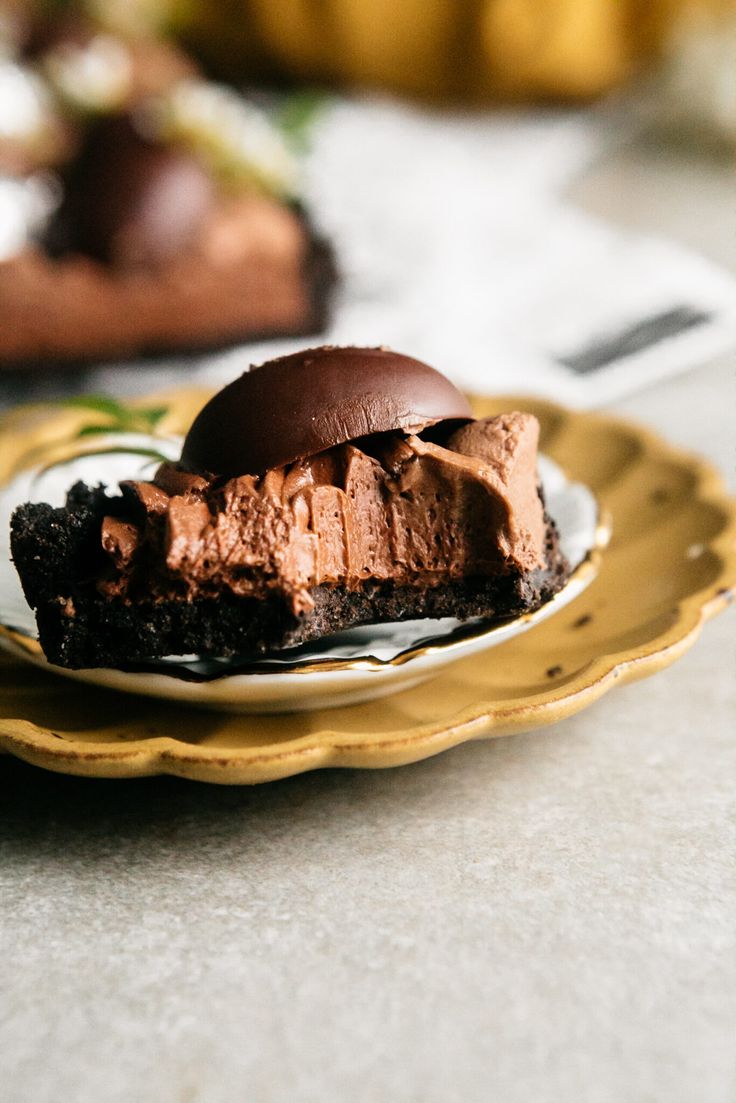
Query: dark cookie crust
{"x": 58, "y": 556}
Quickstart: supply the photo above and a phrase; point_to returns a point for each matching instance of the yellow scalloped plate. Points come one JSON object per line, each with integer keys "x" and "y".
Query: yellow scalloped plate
{"x": 671, "y": 565}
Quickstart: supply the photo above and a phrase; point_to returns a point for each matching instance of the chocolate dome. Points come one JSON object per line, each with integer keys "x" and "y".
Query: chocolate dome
{"x": 301, "y": 404}
{"x": 128, "y": 201}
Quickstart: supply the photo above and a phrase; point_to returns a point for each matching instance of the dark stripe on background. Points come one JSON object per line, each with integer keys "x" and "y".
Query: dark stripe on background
{"x": 635, "y": 339}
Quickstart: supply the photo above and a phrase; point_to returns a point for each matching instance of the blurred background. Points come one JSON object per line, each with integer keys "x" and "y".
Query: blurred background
{"x": 533, "y": 195}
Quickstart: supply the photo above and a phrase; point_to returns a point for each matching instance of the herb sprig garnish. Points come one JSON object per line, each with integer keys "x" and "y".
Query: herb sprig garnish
{"x": 297, "y": 114}
{"x": 121, "y": 418}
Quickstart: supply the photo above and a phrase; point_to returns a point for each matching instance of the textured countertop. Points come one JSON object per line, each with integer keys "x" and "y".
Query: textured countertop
{"x": 544, "y": 918}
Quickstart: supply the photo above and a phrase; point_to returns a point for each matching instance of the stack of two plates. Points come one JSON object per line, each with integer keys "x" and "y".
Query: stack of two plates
{"x": 600, "y": 476}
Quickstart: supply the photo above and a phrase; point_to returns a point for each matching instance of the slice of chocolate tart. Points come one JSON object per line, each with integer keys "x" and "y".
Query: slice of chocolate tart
{"x": 169, "y": 216}
{"x": 327, "y": 489}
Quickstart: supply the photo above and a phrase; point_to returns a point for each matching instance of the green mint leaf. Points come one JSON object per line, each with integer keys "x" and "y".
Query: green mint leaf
{"x": 298, "y": 113}
{"x": 152, "y": 415}
{"x": 100, "y": 403}
{"x": 94, "y": 430}
{"x": 113, "y": 450}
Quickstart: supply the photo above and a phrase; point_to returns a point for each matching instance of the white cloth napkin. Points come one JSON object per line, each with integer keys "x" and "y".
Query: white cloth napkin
{"x": 457, "y": 245}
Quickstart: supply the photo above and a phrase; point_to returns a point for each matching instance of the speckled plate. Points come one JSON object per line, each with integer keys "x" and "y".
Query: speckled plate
{"x": 670, "y": 566}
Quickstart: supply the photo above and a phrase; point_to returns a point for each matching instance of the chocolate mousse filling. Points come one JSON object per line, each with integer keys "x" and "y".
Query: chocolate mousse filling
{"x": 446, "y": 520}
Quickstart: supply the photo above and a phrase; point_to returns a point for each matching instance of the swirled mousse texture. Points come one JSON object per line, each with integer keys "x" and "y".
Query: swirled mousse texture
{"x": 397, "y": 509}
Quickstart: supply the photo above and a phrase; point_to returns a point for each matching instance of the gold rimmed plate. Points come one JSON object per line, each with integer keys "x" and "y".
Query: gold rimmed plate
{"x": 670, "y": 565}
{"x": 346, "y": 668}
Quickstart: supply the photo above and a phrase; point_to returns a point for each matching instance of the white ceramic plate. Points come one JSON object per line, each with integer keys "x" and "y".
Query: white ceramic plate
{"x": 349, "y": 667}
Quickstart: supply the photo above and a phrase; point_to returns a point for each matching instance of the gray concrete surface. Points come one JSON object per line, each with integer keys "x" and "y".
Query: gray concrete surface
{"x": 542, "y": 919}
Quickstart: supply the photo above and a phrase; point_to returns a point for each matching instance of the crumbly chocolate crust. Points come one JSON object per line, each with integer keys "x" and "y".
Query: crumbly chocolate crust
{"x": 58, "y": 556}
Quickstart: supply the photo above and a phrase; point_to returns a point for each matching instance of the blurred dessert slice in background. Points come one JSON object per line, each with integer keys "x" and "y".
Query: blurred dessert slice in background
{"x": 143, "y": 209}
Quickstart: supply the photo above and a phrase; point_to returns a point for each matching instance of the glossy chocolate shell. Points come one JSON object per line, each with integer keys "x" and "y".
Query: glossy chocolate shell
{"x": 302, "y": 404}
